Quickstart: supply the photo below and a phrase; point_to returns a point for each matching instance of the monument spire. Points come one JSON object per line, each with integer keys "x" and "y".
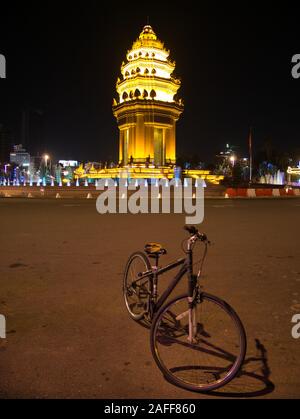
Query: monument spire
{"x": 147, "y": 107}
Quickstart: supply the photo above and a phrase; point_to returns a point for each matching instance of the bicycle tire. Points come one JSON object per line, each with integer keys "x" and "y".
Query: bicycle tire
{"x": 170, "y": 376}
{"x": 142, "y": 257}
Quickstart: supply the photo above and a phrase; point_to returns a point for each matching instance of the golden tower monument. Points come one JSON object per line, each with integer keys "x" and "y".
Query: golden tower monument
{"x": 147, "y": 107}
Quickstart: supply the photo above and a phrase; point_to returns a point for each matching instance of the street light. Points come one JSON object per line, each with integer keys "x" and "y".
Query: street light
{"x": 46, "y": 157}
{"x": 233, "y": 159}
{"x": 45, "y": 169}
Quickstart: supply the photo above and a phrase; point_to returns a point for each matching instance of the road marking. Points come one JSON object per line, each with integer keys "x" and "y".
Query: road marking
{"x": 222, "y": 206}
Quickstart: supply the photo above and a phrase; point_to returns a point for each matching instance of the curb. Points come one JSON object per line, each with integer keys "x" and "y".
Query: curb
{"x": 262, "y": 193}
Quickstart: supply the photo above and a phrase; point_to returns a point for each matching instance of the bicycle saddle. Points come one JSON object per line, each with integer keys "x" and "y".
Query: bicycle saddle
{"x": 155, "y": 249}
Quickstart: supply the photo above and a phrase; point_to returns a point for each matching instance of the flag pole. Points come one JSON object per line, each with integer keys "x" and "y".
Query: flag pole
{"x": 250, "y": 155}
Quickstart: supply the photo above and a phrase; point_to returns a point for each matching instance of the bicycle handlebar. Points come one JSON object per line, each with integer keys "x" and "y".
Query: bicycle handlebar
{"x": 194, "y": 232}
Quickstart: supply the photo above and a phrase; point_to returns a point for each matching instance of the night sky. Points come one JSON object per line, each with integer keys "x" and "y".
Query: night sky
{"x": 63, "y": 60}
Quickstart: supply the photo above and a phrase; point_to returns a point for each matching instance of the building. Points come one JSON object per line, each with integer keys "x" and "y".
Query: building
{"x": 20, "y": 157}
{"x": 293, "y": 174}
{"x": 147, "y": 107}
{"x": 5, "y": 145}
{"x": 68, "y": 163}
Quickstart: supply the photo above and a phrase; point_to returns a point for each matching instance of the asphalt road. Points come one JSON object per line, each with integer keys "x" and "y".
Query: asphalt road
{"x": 68, "y": 332}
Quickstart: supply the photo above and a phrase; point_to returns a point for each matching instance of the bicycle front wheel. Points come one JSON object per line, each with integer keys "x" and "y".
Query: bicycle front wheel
{"x": 216, "y": 353}
{"x": 136, "y": 290}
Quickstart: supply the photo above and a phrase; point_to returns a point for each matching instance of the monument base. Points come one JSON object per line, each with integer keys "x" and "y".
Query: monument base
{"x": 142, "y": 172}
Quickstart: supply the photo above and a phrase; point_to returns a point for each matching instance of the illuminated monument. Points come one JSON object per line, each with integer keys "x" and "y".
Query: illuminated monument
{"x": 146, "y": 109}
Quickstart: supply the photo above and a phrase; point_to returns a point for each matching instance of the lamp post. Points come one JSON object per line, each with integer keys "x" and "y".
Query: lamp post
{"x": 233, "y": 160}
{"x": 46, "y": 160}
{"x": 250, "y": 157}
{"x": 46, "y": 157}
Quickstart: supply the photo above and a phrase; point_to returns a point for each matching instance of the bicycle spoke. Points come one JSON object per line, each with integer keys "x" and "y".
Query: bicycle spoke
{"x": 136, "y": 288}
{"x": 215, "y": 349}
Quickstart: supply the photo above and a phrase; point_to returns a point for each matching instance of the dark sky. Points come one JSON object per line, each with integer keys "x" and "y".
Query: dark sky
{"x": 63, "y": 58}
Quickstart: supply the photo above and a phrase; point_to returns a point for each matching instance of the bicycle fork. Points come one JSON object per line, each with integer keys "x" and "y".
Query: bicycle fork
{"x": 191, "y": 313}
{"x": 192, "y": 302}
{"x": 192, "y": 320}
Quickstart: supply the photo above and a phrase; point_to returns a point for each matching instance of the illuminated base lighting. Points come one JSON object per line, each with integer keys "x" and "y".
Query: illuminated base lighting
{"x": 141, "y": 173}
{"x": 294, "y": 171}
{"x": 294, "y": 175}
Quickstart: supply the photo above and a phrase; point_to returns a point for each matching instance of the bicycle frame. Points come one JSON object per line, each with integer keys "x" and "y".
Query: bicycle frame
{"x": 153, "y": 275}
{"x": 173, "y": 283}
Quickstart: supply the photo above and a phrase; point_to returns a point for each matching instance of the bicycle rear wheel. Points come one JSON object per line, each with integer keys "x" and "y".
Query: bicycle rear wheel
{"x": 217, "y": 352}
{"x": 135, "y": 290}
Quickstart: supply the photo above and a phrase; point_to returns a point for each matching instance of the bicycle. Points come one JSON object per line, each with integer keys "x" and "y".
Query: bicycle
{"x": 197, "y": 340}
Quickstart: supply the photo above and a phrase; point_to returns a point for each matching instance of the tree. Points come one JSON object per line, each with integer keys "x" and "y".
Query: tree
{"x": 237, "y": 174}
